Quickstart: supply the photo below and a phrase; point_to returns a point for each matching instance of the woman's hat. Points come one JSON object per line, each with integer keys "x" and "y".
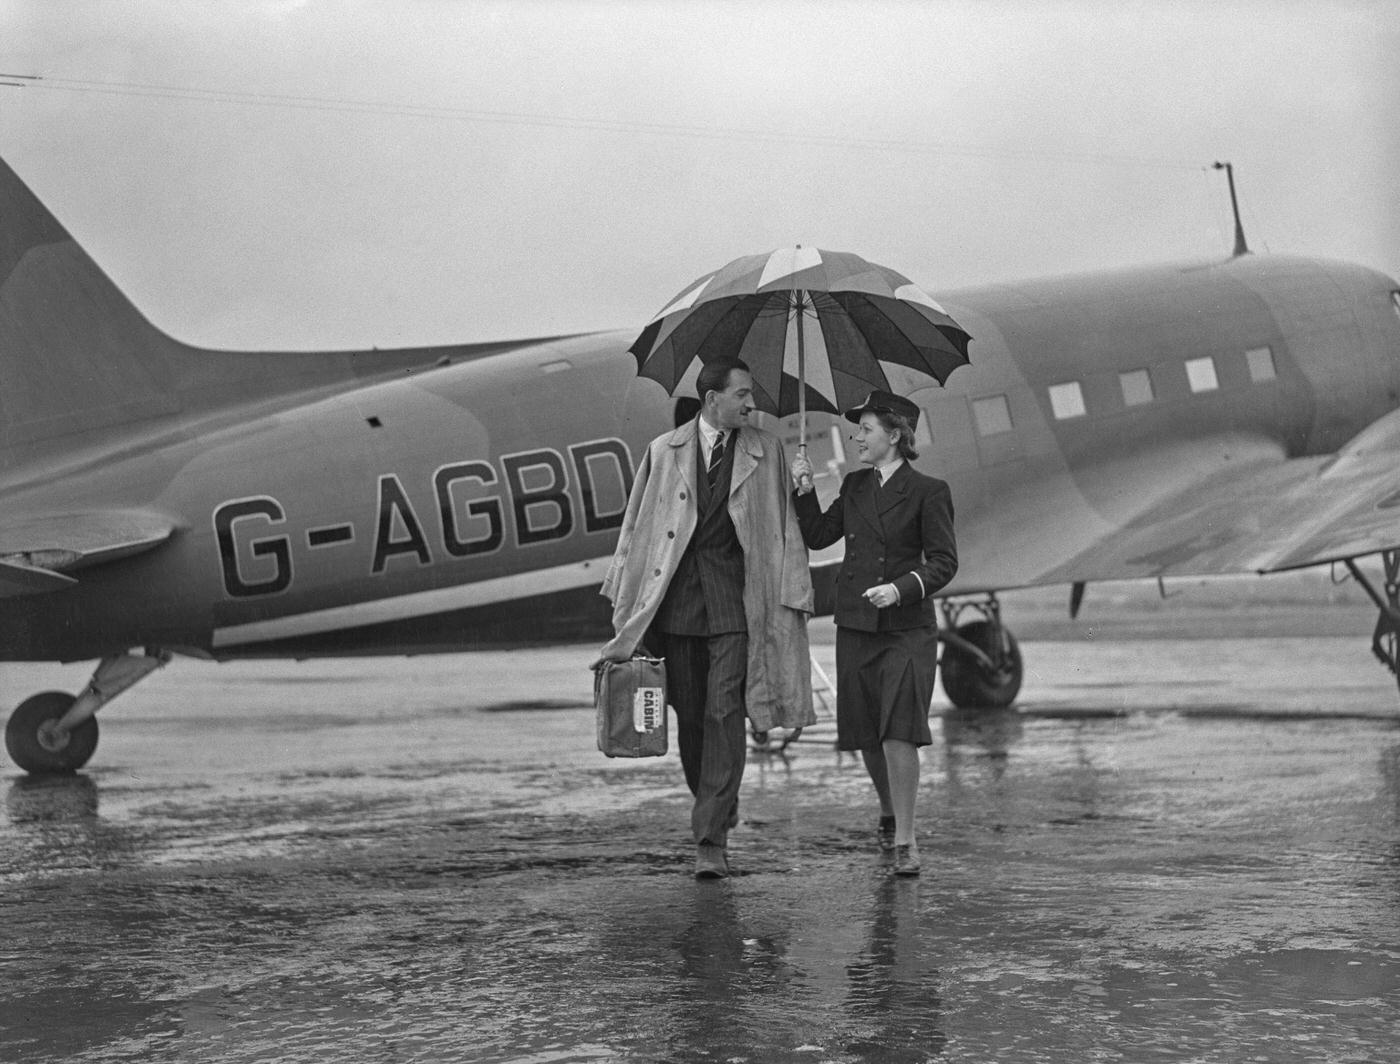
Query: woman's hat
{"x": 886, "y": 403}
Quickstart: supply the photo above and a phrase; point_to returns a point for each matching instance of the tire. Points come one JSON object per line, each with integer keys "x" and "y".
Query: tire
{"x": 968, "y": 684}
{"x": 22, "y": 736}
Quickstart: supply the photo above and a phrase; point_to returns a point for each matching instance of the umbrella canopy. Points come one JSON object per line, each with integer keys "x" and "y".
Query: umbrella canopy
{"x": 841, "y": 325}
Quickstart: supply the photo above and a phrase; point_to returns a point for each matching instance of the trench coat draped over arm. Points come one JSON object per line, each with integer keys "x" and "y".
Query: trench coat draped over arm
{"x": 660, "y": 519}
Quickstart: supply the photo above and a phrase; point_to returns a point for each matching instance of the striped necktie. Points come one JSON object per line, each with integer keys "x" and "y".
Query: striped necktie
{"x": 716, "y": 457}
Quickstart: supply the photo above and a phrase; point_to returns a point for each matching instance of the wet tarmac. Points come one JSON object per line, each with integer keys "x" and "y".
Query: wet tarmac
{"x": 1178, "y": 850}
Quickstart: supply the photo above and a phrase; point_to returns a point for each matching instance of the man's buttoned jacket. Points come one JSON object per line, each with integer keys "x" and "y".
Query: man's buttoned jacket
{"x": 661, "y": 517}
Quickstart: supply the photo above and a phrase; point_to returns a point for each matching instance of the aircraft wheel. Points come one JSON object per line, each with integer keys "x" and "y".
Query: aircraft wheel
{"x": 970, "y": 685}
{"x": 35, "y": 751}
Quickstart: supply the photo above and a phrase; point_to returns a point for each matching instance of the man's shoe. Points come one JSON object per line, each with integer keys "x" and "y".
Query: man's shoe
{"x": 906, "y": 860}
{"x": 885, "y": 834}
{"x": 710, "y": 862}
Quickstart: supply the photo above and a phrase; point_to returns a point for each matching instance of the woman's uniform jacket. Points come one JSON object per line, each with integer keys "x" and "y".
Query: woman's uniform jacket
{"x": 900, "y": 534}
{"x": 662, "y": 512}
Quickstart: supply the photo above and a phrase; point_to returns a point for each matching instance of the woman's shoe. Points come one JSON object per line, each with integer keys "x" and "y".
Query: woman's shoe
{"x": 885, "y": 834}
{"x": 906, "y": 860}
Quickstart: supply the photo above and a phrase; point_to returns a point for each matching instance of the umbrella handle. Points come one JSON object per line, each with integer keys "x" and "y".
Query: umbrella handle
{"x": 805, "y": 482}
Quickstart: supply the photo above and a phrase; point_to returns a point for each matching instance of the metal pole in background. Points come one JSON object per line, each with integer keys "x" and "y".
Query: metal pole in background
{"x": 1241, "y": 248}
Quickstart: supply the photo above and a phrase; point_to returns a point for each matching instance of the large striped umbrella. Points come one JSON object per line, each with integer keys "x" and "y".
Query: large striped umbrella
{"x": 818, "y": 329}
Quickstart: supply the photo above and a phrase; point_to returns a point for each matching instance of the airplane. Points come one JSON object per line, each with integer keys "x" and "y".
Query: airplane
{"x": 1225, "y": 416}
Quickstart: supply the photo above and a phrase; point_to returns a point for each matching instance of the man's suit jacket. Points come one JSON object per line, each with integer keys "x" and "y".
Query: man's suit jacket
{"x": 662, "y": 515}
{"x": 706, "y": 595}
{"x": 900, "y": 534}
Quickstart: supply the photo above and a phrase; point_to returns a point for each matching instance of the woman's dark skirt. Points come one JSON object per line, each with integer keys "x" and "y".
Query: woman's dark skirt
{"x": 884, "y": 685}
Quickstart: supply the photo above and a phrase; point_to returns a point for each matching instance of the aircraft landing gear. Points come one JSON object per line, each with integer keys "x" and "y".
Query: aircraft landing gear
{"x": 981, "y": 661}
{"x": 55, "y": 732}
{"x": 33, "y": 740}
{"x": 1385, "y": 640}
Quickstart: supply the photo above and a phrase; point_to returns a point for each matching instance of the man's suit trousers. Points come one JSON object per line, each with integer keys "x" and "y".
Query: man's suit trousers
{"x": 705, "y": 683}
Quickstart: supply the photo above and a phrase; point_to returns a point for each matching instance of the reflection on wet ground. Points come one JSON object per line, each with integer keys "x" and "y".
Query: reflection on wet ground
{"x": 390, "y": 869}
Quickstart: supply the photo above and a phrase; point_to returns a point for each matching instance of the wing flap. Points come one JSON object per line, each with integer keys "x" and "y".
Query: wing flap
{"x": 1357, "y": 501}
{"x": 36, "y": 552}
{"x": 1264, "y": 518}
{"x": 16, "y": 580}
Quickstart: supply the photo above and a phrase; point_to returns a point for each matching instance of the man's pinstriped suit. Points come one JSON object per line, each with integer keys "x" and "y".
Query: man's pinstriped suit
{"x": 715, "y": 578}
{"x": 701, "y": 631}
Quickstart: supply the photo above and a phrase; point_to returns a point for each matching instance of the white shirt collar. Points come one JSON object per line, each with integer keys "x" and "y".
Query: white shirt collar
{"x": 708, "y": 433}
{"x": 888, "y": 470}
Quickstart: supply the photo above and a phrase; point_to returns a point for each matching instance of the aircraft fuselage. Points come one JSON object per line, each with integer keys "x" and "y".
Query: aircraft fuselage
{"x": 478, "y": 503}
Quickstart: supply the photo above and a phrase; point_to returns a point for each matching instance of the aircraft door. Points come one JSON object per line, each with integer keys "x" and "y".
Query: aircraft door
{"x": 951, "y": 445}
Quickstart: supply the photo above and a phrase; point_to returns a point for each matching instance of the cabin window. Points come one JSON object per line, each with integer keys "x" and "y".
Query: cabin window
{"x": 1261, "y": 364}
{"x": 992, "y": 415}
{"x": 1200, "y": 373}
{"x": 1137, "y": 387}
{"x": 1067, "y": 400}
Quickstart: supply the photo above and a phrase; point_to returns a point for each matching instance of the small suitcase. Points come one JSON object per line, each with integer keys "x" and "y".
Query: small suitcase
{"x": 631, "y": 700}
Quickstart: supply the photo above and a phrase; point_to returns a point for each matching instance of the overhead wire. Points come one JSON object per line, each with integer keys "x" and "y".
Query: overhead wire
{"x": 582, "y": 122}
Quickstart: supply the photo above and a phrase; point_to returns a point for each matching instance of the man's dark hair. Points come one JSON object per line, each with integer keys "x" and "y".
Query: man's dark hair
{"x": 714, "y": 376}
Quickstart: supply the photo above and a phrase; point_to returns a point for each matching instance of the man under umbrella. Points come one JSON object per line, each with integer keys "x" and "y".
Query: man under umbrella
{"x": 711, "y": 573}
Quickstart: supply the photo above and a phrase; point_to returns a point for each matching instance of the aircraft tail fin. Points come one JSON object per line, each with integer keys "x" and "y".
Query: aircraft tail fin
{"x": 75, "y": 354}
{"x": 77, "y": 359}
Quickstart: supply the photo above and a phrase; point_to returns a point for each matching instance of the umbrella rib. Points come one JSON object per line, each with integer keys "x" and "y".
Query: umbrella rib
{"x": 874, "y": 308}
{"x": 869, "y": 373}
{"x": 732, "y": 315}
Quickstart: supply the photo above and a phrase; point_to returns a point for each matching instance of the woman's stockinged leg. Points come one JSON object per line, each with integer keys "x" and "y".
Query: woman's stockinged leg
{"x": 874, "y": 757}
{"x": 901, "y": 761}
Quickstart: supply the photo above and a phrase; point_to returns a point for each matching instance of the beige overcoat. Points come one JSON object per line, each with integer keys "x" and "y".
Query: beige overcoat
{"x": 661, "y": 516}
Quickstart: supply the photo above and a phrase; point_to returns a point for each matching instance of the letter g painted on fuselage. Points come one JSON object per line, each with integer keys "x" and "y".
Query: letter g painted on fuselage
{"x": 469, "y": 526}
{"x": 266, "y": 568}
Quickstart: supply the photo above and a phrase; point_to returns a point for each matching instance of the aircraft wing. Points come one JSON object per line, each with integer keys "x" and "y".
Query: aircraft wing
{"x": 16, "y": 579}
{"x": 37, "y": 552}
{"x": 1265, "y": 516}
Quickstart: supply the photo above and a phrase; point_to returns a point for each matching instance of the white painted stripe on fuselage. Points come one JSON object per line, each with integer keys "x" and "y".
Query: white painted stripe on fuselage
{"x": 418, "y": 604}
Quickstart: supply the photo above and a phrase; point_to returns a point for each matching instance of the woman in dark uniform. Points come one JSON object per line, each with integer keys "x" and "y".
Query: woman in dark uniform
{"x": 900, "y": 551}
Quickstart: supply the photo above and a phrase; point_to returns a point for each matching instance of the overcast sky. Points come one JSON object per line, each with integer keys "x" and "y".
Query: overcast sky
{"x": 298, "y": 174}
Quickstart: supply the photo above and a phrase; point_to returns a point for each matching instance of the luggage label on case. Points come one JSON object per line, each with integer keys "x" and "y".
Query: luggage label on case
{"x": 648, "y": 709}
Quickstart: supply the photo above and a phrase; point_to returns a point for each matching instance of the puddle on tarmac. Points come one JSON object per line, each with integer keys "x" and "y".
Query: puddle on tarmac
{"x": 485, "y": 887}
{"x": 1069, "y": 911}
